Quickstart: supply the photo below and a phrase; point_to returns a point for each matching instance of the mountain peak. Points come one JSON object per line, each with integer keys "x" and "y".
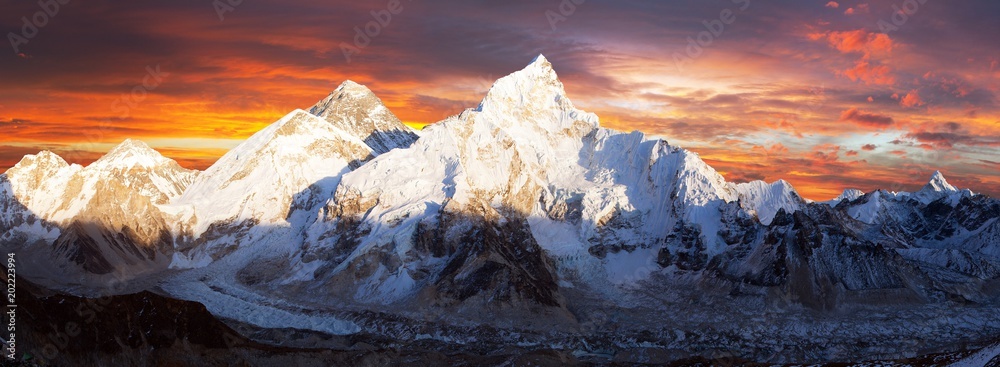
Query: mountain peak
{"x": 541, "y": 61}
{"x": 348, "y": 92}
{"x": 850, "y": 195}
{"x": 44, "y": 159}
{"x": 939, "y": 184}
{"x": 131, "y": 153}
{"x": 938, "y": 188}
{"x": 533, "y": 87}
{"x": 355, "y": 109}
{"x": 354, "y": 89}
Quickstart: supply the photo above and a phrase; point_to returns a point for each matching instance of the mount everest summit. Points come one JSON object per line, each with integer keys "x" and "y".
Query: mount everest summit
{"x": 519, "y": 222}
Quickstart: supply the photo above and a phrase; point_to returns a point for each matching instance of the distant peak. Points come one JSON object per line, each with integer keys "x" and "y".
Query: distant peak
{"x": 939, "y": 184}
{"x": 349, "y": 83}
{"x": 352, "y": 86}
{"x": 131, "y": 146}
{"x": 130, "y": 153}
{"x": 851, "y": 195}
{"x": 356, "y": 110}
{"x": 348, "y": 91}
{"x": 43, "y": 158}
{"x": 49, "y": 156}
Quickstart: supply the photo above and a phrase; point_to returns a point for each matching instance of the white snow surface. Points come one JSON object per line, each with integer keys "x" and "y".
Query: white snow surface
{"x": 766, "y": 199}
{"x": 58, "y": 192}
{"x": 259, "y": 179}
{"x": 848, "y": 195}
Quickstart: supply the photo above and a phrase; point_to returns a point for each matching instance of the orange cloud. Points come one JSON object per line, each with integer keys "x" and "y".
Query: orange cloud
{"x": 860, "y": 41}
{"x": 866, "y": 119}
{"x": 912, "y": 99}
{"x": 870, "y": 45}
{"x": 870, "y": 73}
{"x": 832, "y": 4}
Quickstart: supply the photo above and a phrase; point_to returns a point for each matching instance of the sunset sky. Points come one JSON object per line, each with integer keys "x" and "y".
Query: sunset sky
{"x": 827, "y": 95}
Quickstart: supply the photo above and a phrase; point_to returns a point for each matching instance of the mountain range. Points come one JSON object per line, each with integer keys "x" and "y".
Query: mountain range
{"x": 521, "y": 222}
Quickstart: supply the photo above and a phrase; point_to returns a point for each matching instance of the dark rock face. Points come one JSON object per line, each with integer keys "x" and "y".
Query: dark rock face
{"x": 690, "y": 249}
{"x": 90, "y": 245}
{"x": 501, "y": 262}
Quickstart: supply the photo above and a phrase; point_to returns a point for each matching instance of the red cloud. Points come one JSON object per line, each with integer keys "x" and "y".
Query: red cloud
{"x": 832, "y": 4}
{"x": 869, "y": 147}
{"x": 860, "y": 41}
{"x": 912, "y": 99}
{"x": 870, "y": 73}
{"x": 849, "y": 11}
{"x": 869, "y": 45}
{"x": 866, "y": 119}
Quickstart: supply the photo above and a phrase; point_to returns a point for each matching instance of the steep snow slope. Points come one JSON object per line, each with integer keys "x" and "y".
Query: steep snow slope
{"x": 258, "y": 180}
{"x": 766, "y": 199}
{"x": 39, "y": 182}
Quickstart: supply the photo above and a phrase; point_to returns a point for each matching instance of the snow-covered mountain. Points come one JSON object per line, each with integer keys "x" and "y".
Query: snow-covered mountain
{"x": 94, "y": 223}
{"x": 343, "y": 220}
